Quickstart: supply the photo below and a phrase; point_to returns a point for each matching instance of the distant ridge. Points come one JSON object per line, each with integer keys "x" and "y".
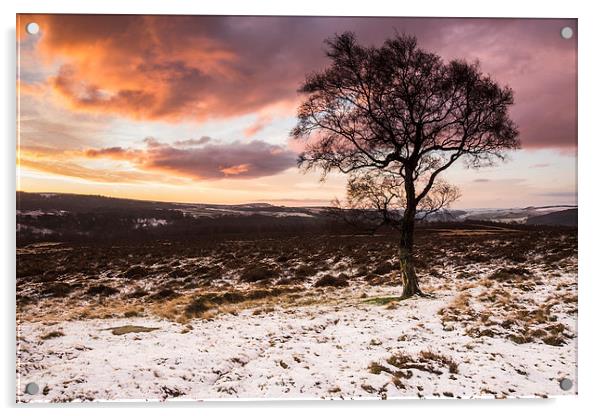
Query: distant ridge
{"x": 24, "y": 199}
{"x": 567, "y": 218}
{"x": 550, "y": 206}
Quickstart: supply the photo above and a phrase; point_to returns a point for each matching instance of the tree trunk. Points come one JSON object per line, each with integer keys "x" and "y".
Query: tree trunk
{"x": 409, "y": 280}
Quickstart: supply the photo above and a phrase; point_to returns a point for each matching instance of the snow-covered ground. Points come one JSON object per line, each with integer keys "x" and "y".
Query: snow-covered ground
{"x": 305, "y": 352}
{"x": 299, "y": 318}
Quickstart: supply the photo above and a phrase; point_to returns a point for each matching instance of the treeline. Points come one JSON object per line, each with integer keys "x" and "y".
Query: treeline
{"x": 161, "y": 224}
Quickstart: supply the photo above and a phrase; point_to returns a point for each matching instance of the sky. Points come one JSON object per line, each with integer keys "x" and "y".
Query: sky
{"x": 199, "y": 108}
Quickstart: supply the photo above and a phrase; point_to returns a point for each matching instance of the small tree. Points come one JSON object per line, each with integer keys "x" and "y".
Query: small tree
{"x": 376, "y": 199}
{"x": 399, "y": 116}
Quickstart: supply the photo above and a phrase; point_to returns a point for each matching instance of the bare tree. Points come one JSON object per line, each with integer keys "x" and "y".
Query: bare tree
{"x": 400, "y": 112}
{"x": 376, "y": 199}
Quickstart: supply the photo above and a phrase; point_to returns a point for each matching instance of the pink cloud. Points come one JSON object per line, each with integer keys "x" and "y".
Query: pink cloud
{"x": 258, "y": 125}
{"x": 198, "y": 67}
{"x": 253, "y": 159}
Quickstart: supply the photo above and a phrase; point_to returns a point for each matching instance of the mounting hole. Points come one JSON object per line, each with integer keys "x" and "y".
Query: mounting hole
{"x": 32, "y": 388}
{"x": 566, "y": 384}
{"x": 566, "y": 32}
{"x": 32, "y": 28}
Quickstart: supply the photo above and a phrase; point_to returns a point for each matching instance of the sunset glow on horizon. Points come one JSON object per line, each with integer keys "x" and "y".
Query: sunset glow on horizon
{"x": 199, "y": 108}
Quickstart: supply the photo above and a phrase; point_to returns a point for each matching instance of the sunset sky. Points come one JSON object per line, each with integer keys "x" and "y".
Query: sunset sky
{"x": 199, "y": 108}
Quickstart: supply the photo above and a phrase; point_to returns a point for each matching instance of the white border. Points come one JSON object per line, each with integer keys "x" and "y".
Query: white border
{"x": 590, "y": 202}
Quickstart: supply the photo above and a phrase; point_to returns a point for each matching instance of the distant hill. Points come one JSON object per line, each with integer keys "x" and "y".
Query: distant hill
{"x": 61, "y": 217}
{"x": 29, "y": 201}
{"x": 69, "y": 217}
{"x": 567, "y": 218}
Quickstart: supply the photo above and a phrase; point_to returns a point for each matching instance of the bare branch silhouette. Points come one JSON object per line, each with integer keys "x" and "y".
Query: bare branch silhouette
{"x": 377, "y": 199}
{"x": 400, "y": 112}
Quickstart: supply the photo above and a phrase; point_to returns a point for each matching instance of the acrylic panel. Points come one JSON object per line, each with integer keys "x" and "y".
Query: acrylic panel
{"x": 244, "y": 207}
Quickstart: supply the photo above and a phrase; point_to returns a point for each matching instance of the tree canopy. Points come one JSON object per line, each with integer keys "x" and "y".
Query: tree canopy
{"x": 402, "y": 110}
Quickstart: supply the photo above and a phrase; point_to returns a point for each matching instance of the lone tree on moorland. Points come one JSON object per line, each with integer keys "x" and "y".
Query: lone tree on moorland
{"x": 399, "y": 116}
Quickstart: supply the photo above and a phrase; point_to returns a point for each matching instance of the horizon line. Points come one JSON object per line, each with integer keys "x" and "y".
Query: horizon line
{"x": 272, "y": 202}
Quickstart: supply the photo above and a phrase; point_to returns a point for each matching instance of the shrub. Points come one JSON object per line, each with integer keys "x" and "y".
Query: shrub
{"x": 289, "y": 281}
{"x": 58, "y": 290}
{"x": 361, "y": 271}
{"x": 441, "y": 359}
{"x": 138, "y": 293}
{"x": 384, "y": 268}
{"x": 178, "y": 272}
{"x": 198, "y": 306}
{"x": 509, "y": 273}
{"x": 399, "y": 360}
{"x": 376, "y": 368}
{"x": 135, "y": 272}
{"x": 210, "y": 272}
{"x": 102, "y": 290}
{"x": 330, "y": 280}
{"x": 519, "y": 339}
{"x": 554, "y": 340}
{"x": 258, "y": 273}
{"x": 163, "y": 294}
{"x": 305, "y": 271}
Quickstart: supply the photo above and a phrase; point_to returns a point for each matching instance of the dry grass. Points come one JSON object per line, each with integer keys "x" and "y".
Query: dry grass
{"x": 246, "y": 299}
{"x": 201, "y": 279}
{"x": 376, "y": 368}
{"x": 430, "y": 356}
{"x": 52, "y": 334}
{"x": 401, "y": 366}
{"x": 507, "y": 310}
{"x": 128, "y": 329}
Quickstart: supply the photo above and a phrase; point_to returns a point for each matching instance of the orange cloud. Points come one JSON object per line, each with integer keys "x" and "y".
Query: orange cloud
{"x": 72, "y": 163}
{"x": 117, "y": 153}
{"x": 153, "y": 67}
{"x": 210, "y": 162}
{"x": 236, "y": 170}
{"x": 192, "y": 159}
{"x": 74, "y": 170}
{"x": 30, "y": 88}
